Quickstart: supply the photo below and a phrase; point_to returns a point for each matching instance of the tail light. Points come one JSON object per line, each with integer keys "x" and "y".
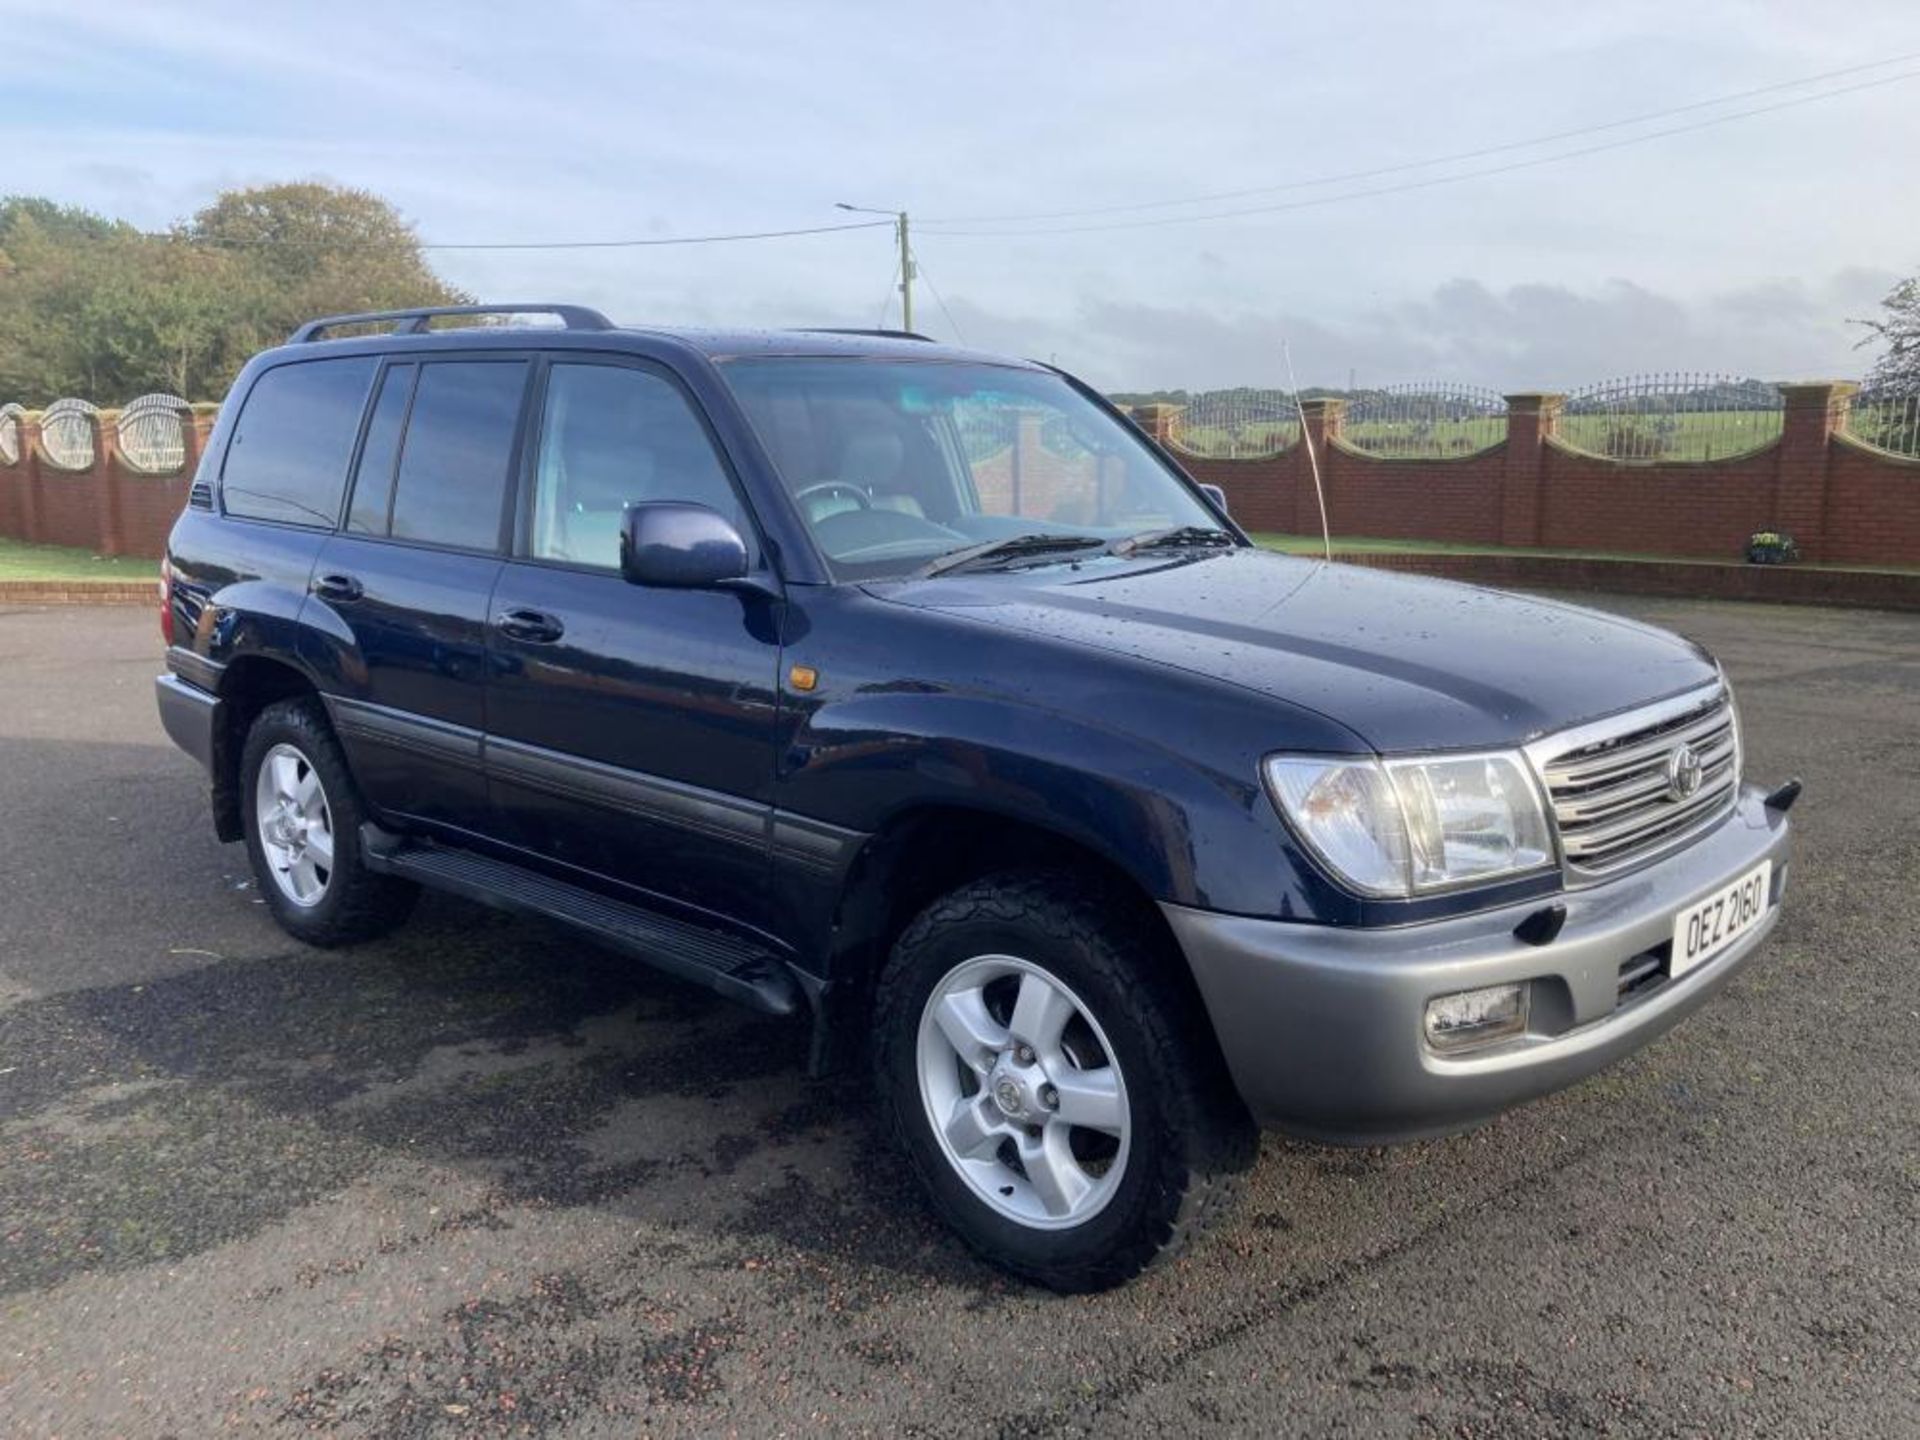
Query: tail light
{"x": 166, "y": 601}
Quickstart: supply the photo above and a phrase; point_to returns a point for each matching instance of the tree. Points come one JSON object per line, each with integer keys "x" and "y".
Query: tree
{"x": 93, "y": 307}
{"x": 1898, "y": 370}
{"x": 310, "y": 249}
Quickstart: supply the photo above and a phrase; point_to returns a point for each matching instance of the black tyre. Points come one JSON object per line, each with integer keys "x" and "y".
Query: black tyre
{"x": 1052, "y": 1082}
{"x": 302, "y": 816}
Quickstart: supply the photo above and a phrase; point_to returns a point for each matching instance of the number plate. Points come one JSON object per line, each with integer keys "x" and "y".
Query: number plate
{"x": 1702, "y": 931}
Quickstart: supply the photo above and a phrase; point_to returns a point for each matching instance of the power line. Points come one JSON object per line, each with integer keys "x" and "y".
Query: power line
{"x": 1430, "y": 183}
{"x": 938, "y": 298}
{"x": 1455, "y": 157}
{"x": 548, "y": 244}
{"x": 886, "y": 302}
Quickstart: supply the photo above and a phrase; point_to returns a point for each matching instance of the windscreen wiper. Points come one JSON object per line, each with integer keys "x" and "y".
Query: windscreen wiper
{"x": 1013, "y": 547}
{"x": 1181, "y": 537}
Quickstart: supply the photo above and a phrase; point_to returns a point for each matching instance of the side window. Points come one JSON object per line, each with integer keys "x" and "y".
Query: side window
{"x": 288, "y": 457}
{"x": 612, "y": 436}
{"x": 379, "y": 457}
{"x": 451, "y": 484}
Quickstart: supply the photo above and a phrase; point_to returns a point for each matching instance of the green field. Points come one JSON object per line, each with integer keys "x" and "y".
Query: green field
{"x": 1708, "y": 435}
{"x": 21, "y": 561}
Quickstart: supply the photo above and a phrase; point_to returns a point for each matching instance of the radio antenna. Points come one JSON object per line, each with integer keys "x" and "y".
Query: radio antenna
{"x": 1313, "y": 460}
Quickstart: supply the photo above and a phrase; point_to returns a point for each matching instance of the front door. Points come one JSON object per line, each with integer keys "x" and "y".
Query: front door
{"x": 630, "y": 730}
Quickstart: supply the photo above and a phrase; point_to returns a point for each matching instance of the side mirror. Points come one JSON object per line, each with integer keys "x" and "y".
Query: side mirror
{"x": 675, "y": 545}
{"x": 1217, "y": 496}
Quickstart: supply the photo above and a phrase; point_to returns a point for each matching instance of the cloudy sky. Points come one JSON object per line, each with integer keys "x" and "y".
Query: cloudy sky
{"x": 1144, "y": 135}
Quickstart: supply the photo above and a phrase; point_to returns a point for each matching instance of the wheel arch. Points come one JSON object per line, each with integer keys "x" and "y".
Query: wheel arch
{"x": 248, "y": 685}
{"x": 927, "y": 850}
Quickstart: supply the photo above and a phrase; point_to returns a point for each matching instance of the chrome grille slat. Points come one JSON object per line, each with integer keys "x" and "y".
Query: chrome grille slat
{"x": 1609, "y": 789}
{"x": 1649, "y": 779}
{"x": 1626, "y": 827}
{"x": 1586, "y": 771}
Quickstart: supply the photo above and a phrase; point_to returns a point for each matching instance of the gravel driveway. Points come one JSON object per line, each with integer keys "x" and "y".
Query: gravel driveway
{"x": 479, "y": 1179}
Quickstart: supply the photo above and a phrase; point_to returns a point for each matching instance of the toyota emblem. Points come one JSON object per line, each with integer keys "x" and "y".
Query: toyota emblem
{"x": 1683, "y": 773}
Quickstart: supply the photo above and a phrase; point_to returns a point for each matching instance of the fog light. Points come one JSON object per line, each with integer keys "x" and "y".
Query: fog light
{"x": 1476, "y": 1017}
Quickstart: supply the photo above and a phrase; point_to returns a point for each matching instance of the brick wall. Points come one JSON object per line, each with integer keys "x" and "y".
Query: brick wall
{"x": 1845, "y": 502}
{"x": 109, "y": 507}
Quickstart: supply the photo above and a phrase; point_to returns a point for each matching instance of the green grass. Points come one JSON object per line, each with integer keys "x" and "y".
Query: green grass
{"x": 1378, "y": 545}
{"x": 21, "y": 561}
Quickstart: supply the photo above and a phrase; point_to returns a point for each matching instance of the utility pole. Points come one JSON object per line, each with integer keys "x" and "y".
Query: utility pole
{"x": 906, "y": 255}
{"x": 906, "y": 276}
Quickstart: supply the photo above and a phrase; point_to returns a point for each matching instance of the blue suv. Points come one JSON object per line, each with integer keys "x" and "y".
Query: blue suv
{"x": 915, "y": 694}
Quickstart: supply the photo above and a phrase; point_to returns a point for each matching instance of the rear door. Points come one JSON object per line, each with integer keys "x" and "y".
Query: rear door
{"x": 401, "y": 593}
{"x": 630, "y": 730}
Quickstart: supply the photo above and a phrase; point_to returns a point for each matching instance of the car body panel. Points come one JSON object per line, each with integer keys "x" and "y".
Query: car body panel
{"x": 1408, "y": 663}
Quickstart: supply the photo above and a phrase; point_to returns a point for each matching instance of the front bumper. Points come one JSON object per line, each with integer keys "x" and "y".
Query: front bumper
{"x": 1322, "y": 1026}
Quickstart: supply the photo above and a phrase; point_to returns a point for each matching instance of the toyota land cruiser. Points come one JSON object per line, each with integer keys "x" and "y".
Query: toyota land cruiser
{"x": 915, "y": 694}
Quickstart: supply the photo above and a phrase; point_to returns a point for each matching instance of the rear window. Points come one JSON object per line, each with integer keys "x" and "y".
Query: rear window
{"x": 451, "y": 486}
{"x": 288, "y": 457}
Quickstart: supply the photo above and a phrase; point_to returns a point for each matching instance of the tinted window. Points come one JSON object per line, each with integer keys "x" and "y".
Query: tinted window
{"x": 611, "y": 437}
{"x": 452, "y": 481}
{"x": 288, "y": 458}
{"x": 373, "y": 480}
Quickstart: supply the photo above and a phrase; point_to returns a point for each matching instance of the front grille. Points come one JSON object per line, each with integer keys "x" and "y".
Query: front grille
{"x": 1613, "y": 802}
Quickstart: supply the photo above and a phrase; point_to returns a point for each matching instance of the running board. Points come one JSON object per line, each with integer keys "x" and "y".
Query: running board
{"x": 742, "y": 972}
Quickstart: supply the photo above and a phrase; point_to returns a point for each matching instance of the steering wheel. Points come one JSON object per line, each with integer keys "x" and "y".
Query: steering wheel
{"x": 861, "y": 499}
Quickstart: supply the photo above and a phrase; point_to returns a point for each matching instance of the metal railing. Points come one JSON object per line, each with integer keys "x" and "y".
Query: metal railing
{"x": 1425, "y": 421}
{"x": 1680, "y": 416}
{"x": 1887, "y": 420}
{"x": 69, "y": 433}
{"x": 152, "y": 433}
{"x": 1236, "y": 424}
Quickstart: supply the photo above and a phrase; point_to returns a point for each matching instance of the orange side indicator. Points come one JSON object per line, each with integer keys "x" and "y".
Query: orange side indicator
{"x": 803, "y": 677}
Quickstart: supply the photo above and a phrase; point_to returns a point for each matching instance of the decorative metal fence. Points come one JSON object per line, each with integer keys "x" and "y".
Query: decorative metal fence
{"x": 985, "y": 430}
{"x": 1887, "y": 420}
{"x": 152, "y": 433}
{"x": 1425, "y": 421}
{"x": 10, "y": 434}
{"x": 1683, "y": 416}
{"x": 69, "y": 432}
{"x": 1236, "y": 424}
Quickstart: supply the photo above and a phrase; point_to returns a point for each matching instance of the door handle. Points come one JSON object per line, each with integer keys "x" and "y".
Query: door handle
{"x": 535, "y": 626}
{"x": 338, "y": 587}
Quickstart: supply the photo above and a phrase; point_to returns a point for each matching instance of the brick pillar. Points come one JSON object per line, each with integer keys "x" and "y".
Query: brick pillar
{"x": 30, "y": 478}
{"x": 110, "y": 517}
{"x": 1532, "y": 418}
{"x": 1324, "y": 418}
{"x": 1814, "y": 410}
{"x": 196, "y": 428}
{"x": 1156, "y": 420}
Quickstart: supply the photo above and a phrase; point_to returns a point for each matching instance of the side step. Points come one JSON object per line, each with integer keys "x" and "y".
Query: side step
{"x": 742, "y": 972}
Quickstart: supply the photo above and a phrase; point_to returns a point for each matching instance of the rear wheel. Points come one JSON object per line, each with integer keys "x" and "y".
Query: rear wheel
{"x": 302, "y": 817}
{"x": 1051, "y": 1084}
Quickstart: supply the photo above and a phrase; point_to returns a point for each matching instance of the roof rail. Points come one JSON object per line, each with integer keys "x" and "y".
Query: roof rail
{"x": 844, "y": 330}
{"x": 414, "y": 322}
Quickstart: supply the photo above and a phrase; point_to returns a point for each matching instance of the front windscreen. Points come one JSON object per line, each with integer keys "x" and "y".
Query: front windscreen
{"x": 894, "y": 464}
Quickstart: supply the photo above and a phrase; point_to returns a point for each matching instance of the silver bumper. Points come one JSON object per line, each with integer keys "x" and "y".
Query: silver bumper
{"x": 189, "y": 716}
{"x": 1322, "y": 1026}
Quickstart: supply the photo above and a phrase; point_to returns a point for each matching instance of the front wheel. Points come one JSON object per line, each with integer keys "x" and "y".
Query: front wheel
{"x": 1052, "y": 1084}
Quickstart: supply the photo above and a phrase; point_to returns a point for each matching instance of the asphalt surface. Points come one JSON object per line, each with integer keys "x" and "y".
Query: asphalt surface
{"x": 478, "y": 1179}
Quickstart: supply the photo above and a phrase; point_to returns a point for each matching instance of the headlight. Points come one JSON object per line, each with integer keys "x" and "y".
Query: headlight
{"x": 1405, "y": 827}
